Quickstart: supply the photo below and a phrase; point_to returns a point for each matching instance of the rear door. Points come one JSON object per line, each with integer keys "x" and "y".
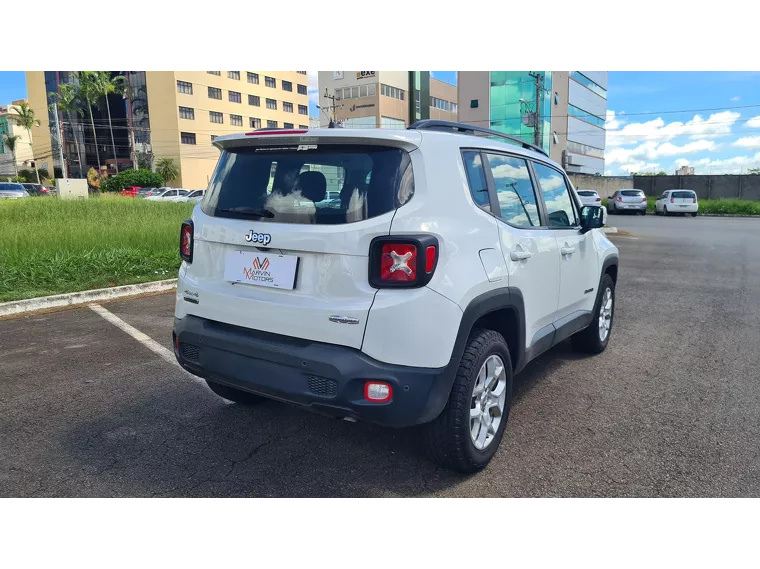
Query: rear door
{"x": 273, "y": 253}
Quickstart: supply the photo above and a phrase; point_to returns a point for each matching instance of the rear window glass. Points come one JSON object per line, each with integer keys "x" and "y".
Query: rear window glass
{"x": 329, "y": 184}
{"x": 683, "y": 194}
{"x": 633, "y": 193}
{"x": 586, "y": 193}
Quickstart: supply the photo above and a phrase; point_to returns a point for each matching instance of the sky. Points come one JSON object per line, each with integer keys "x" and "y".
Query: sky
{"x": 655, "y": 120}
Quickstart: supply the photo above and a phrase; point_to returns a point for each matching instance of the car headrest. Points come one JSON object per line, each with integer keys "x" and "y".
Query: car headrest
{"x": 312, "y": 185}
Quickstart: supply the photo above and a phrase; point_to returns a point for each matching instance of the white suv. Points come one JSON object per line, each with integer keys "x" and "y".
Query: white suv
{"x": 451, "y": 261}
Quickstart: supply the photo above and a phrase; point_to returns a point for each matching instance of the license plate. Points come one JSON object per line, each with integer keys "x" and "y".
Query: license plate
{"x": 261, "y": 269}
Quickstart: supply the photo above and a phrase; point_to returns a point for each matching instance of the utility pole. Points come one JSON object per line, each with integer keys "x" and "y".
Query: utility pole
{"x": 64, "y": 171}
{"x": 539, "y": 82}
{"x": 330, "y": 109}
{"x": 132, "y": 147}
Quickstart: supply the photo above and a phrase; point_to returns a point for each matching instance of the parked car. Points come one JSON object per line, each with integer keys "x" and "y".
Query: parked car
{"x": 170, "y": 195}
{"x": 12, "y": 191}
{"x": 130, "y": 191}
{"x": 146, "y": 192}
{"x": 589, "y": 197}
{"x": 195, "y": 196}
{"x": 634, "y": 201}
{"x": 36, "y": 189}
{"x": 418, "y": 304}
{"x": 677, "y": 201}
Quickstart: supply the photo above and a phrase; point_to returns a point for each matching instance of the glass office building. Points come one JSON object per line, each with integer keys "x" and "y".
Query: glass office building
{"x": 511, "y": 93}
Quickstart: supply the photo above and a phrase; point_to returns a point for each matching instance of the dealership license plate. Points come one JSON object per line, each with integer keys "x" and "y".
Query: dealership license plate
{"x": 261, "y": 269}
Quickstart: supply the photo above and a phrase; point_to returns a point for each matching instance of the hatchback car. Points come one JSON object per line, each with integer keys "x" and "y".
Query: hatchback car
{"x": 170, "y": 195}
{"x": 12, "y": 191}
{"x": 195, "y": 196}
{"x": 634, "y": 201}
{"x": 589, "y": 197}
{"x": 677, "y": 201}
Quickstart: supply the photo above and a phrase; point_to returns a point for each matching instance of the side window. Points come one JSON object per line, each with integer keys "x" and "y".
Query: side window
{"x": 476, "y": 177}
{"x": 514, "y": 190}
{"x": 559, "y": 204}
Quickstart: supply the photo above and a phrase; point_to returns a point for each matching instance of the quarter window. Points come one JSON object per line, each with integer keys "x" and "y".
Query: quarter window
{"x": 514, "y": 190}
{"x": 559, "y": 204}
{"x": 476, "y": 178}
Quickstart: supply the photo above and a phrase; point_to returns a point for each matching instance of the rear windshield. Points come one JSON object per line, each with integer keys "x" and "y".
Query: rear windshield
{"x": 586, "y": 193}
{"x": 326, "y": 184}
{"x": 633, "y": 193}
{"x": 12, "y": 187}
{"x": 683, "y": 194}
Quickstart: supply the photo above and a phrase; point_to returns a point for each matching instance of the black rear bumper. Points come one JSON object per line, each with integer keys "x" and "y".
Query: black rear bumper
{"x": 327, "y": 378}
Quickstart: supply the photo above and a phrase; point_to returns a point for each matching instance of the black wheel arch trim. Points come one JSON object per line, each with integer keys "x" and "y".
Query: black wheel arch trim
{"x": 611, "y": 260}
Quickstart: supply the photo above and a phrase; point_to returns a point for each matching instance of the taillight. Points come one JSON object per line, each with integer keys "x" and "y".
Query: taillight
{"x": 620, "y": 198}
{"x": 644, "y": 199}
{"x": 186, "y": 241}
{"x": 672, "y": 199}
{"x": 402, "y": 261}
{"x": 694, "y": 200}
{"x": 598, "y": 199}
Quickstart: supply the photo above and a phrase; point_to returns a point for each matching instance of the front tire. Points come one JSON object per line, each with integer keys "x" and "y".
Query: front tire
{"x": 594, "y": 338}
{"x": 467, "y": 433}
{"x": 234, "y": 395}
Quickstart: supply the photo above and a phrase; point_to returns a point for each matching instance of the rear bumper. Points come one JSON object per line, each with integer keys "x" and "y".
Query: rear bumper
{"x": 631, "y": 207}
{"x": 324, "y": 377}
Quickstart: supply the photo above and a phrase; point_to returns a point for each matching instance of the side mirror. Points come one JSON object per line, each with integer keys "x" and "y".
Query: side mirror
{"x": 592, "y": 217}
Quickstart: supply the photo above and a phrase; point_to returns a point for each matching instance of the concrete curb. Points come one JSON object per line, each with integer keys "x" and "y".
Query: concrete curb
{"x": 609, "y": 229}
{"x": 75, "y": 298}
{"x": 728, "y": 215}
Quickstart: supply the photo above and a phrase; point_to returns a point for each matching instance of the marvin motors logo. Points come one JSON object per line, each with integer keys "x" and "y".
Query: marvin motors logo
{"x": 258, "y": 272}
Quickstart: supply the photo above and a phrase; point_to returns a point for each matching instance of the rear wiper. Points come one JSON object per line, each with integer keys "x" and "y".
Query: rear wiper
{"x": 250, "y": 211}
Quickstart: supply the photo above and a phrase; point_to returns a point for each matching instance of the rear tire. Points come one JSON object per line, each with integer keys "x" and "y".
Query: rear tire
{"x": 694, "y": 214}
{"x": 665, "y": 211}
{"x": 234, "y": 395}
{"x": 449, "y": 438}
{"x": 590, "y": 340}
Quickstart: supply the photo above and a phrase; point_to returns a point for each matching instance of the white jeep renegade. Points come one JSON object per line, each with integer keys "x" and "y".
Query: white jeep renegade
{"x": 400, "y": 277}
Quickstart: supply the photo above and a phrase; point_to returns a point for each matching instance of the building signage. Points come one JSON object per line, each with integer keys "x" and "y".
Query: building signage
{"x": 366, "y": 74}
{"x": 337, "y": 75}
{"x": 355, "y": 107}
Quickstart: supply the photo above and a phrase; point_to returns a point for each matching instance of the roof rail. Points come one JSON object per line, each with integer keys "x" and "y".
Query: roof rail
{"x": 460, "y": 127}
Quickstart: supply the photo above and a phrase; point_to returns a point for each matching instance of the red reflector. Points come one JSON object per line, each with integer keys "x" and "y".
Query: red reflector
{"x": 430, "y": 256}
{"x": 398, "y": 262}
{"x": 263, "y": 132}
{"x": 377, "y": 391}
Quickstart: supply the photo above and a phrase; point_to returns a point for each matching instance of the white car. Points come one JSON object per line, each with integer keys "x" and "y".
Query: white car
{"x": 195, "y": 196}
{"x": 589, "y": 197}
{"x": 454, "y": 261}
{"x": 12, "y": 191}
{"x": 169, "y": 195}
{"x": 677, "y": 201}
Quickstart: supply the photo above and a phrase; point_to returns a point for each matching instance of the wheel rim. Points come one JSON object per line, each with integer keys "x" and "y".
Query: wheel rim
{"x": 489, "y": 397}
{"x": 605, "y": 315}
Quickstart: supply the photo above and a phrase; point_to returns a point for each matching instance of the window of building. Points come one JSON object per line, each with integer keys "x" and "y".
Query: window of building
{"x": 271, "y": 124}
{"x": 588, "y": 83}
{"x": 184, "y": 87}
{"x": 388, "y": 91}
{"x": 453, "y": 107}
{"x": 234, "y": 75}
{"x": 287, "y": 86}
{"x": 476, "y": 177}
{"x": 514, "y": 190}
{"x": 272, "y": 104}
{"x": 440, "y": 104}
{"x": 214, "y": 93}
{"x": 287, "y": 107}
{"x": 576, "y": 112}
{"x": 254, "y": 123}
{"x": 302, "y": 89}
{"x": 254, "y": 100}
{"x": 187, "y": 113}
{"x": 236, "y": 120}
{"x": 559, "y": 205}
{"x": 215, "y": 117}
{"x": 579, "y": 148}
{"x": 253, "y": 78}
{"x": 303, "y": 110}
{"x": 390, "y": 122}
{"x": 270, "y": 82}
{"x": 214, "y": 72}
{"x": 287, "y": 125}
{"x": 187, "y": 137}
{"x": 304, "y": 126}
{"x": 235, "y": 97}
{"x": 301, "y": 72}
{"x": 474, "y": 104}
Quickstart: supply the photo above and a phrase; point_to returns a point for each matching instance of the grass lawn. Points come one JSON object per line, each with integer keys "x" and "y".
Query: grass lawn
{"x": 735, "y": 207}
{"x": 51, "y": 246}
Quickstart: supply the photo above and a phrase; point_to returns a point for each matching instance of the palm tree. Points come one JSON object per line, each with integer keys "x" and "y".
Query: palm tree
{"x": 167, "y": 168}
{"x": 25, "y": 118}
{"x": 104, "y": 85}
{"x": 88, "y": 92}
{"x": 10, "y": 141}
{"x": 69, "y": 103}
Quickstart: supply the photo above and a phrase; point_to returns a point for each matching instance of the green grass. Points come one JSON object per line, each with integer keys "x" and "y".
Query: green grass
{"x": 51, "y": 246}
{"x": 730, "y": 207}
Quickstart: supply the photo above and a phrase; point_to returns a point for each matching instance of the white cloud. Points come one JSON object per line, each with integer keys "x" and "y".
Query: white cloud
{"x": 638, "y": 166}
{"x": 717, "y": 124}
{"x": 682, "y": 162}
{"x": 313, "y": 88}
{"x": 735, "y": 98}
{"x": 754, "y": 122}
{"x": 735, "y": 165}
{"x": 652, "y": 150}
{"x": 748, "y": 142}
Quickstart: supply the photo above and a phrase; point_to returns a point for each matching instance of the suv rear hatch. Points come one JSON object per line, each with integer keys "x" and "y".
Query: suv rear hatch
{"x": 683, "y": 197}
{"x": 274, "y": 250}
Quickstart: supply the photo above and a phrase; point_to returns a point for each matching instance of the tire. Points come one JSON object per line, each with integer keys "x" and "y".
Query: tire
{"x": 665, "y": 211}
{"x": 234, "y": 395}
{"x": 589, "y": 339}
{"x": 694, "y": 214}
{"x": 448, "y": 438}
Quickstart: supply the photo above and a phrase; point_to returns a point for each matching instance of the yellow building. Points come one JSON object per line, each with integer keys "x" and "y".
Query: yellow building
{"x": 23, "y": 154}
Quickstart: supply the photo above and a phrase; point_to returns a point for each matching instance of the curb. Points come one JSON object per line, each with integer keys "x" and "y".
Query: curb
{"x": 74, "y": 298}
{"x": 728, "y": 215}
{"x": 609, "y": 229}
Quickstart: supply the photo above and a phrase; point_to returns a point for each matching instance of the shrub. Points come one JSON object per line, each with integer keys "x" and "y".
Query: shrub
{"x": 143, "y": 178}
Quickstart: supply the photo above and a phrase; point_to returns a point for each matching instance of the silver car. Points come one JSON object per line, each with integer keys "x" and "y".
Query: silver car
{"x": 634, "y": 201}
{"x": 12, "y": 191}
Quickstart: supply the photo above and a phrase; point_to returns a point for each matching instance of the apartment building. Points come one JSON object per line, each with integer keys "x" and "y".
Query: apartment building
{"x": 23, "y": 153}
{"x": 174, "y": 114}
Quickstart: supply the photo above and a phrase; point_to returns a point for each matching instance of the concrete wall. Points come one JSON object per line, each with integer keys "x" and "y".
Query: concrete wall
{"x": 745, "y": 187}
{"x": 604, "y": 185}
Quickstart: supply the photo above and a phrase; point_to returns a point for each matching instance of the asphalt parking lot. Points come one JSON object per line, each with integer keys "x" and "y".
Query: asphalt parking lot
{"x": 672, "y": 408}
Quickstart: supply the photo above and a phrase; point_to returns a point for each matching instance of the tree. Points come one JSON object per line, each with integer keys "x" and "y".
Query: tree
{"x": 660, "y": 173}
{"x": 88, "y": 92}
{"x": 754, "y": 171}
{"x": 25, "y": 118}
{"x": 167, "y": 168}
{"x": 10, "y": 141}
{"x": 94, "y": 179}
{"x": 104, "y": 85}
{"x": 69, "y": 103}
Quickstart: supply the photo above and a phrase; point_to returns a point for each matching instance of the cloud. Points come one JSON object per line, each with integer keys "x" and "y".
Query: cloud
{"x": 735, "y": 98}
{"x": 754, "y": 122}
{"x": 652, "y": 150}
{"x": 717, "y": 124}
{"x": 748, "y": 142}
{"x": 735, "y": 165}
{"x": 313, "y": 88}
{"x": 638, "y": 167}
{"x": 682, "y": 162}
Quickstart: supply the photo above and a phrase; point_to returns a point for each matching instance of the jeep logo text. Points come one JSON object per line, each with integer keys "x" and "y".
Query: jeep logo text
{"x": 263, "y": 238}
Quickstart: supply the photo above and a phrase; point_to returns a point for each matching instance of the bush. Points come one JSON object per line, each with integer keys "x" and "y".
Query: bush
{"x": 143, "y": 178}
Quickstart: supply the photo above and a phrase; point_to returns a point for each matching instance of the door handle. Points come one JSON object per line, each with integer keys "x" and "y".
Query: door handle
{"x": 567, "y": 250}
{"x": 520, "y": 255}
